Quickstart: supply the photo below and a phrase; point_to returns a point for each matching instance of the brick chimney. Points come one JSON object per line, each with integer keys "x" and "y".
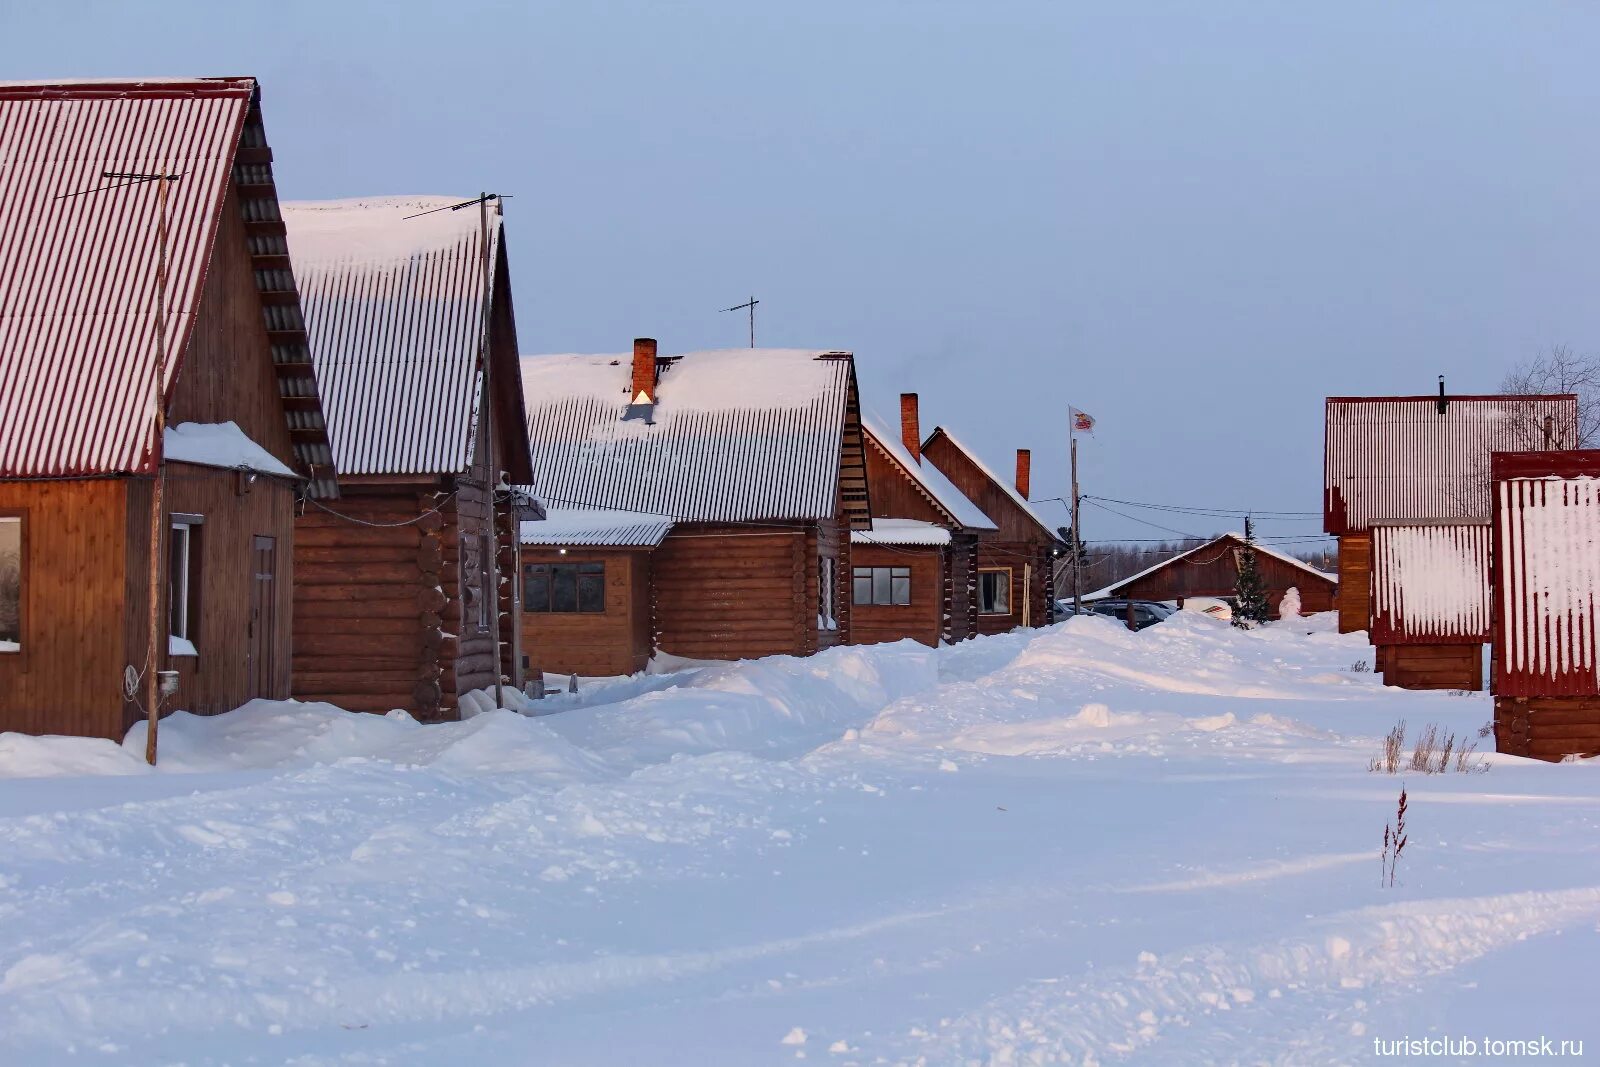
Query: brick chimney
{"x": 910, "y": 430}
{"x": 1024, "y": 466}
{"x": 644, "y": 371}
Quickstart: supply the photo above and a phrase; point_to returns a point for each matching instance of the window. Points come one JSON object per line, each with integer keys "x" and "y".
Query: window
{"x": 566, "y": 588}
{"x": 11, "y": 599}
{"x": 889, "y": 586}
{"x": 827, "y": 590}
{"x": 994, "y": 592}
{"x": 183, "y": 585}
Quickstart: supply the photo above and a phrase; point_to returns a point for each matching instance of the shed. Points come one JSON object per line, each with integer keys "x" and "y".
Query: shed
{"x": 753, "y": 455}
{"x": 1016, "y": 579}
{"x": 80, "y": 459}
{"x": 1420, "y": 457}
{"x": 395, "y": 607}
{"x": 1430, "y": 601}
{"x": 1212, "y": 570}
{"x": 1545, "y": 581}
{"x": 914, "y": 573}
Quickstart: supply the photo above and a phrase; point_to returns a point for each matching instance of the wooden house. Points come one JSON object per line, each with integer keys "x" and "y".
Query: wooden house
{"x": 80, "y": 459}
{"x": 915, "y": 573}
{"x": 1212, "y": 570}
{"x": 395, "y": 606}
{"x": 1016, "y": 580}
{"x": 1545, "y": 589}
{"x": 1420, "y": 457}
{"x": 1430, "y": 602}
{"x": 755, "y": 458}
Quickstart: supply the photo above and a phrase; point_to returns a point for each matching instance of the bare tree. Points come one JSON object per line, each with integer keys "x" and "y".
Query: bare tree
{"x": 1561, "y": 370}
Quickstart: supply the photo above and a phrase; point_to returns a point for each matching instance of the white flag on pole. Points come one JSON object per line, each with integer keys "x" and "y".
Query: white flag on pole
{"x": 1082, "y": 421}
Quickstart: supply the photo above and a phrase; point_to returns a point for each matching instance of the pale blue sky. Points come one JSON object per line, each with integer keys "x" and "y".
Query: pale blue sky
{"x": 1192, "y": 220}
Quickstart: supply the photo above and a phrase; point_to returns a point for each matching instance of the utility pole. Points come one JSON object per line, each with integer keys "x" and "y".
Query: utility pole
{"x": 751, "y": 305}
{"x": 1077, "y": 535}
{"x": 158, "y": 395}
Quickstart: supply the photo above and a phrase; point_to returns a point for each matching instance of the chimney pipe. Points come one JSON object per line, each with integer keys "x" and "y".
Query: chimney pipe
{"x": 643, "y": 390}
{"x": 910, "y": 426}
{"x": 1024, "y": 465}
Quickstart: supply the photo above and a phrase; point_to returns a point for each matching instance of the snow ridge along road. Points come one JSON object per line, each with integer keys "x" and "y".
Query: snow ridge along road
{"x": 1075, "y": 845}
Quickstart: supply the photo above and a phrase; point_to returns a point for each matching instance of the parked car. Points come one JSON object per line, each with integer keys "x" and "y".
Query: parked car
{"x": 1145, "y": 612}
{"x": 1210, "y": 605}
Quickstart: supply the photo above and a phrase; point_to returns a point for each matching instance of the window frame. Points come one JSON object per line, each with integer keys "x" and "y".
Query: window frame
{"x": 593, "y": 569}
{"x": 192, "y": 527}
{"x": 871, "y": 577}
{"x": 21, "y": 651}
{"x": 1007, "y": 571}
{"x": 828, "y": 593}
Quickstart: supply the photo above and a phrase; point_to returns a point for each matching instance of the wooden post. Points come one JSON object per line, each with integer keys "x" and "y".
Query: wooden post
{"x": 493, "y": 592}
{"x": 1077, "y": 536}
{"x": 153, "y": 655}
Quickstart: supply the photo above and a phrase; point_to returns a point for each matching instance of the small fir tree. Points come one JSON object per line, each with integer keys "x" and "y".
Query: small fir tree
{"x": 1250, "y": 592}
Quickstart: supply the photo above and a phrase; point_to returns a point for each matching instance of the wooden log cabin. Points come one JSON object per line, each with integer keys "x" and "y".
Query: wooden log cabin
{"x": 754, "y": 456}
{"x": 1212, "y": 570}
{"x": 1420, "y": 457}
{"x": 394, "y": 602}
{"x": 1430, "y": 602}
{"x": 80, "y": 457}
{"x": 1545, "y": 592}
{"x": 1016, "y": 579}
{"x": 915, "y": 573}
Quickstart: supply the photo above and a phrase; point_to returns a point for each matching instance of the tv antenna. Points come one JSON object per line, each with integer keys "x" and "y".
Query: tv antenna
{"x": 751, "y": 306}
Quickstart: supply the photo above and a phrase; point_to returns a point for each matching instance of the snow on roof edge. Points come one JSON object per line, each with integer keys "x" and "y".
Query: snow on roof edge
{"x": 1010, "y": 490}
{"x": 932, "y": 480}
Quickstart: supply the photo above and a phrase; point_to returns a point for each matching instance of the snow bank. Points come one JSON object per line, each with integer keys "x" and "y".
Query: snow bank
{"x": 220, "y": 444}
{"x": 24, "y": 756}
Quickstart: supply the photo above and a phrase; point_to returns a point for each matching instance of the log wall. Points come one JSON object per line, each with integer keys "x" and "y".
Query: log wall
{"x": 1017, "y": 557}
{"x": 594, "y": 644}
{"x": 921, "y": 620}
{"x": 67, "y": 679}
{"x": 1355, "y": 583}
{"x": 735, "y": 592}
{"x": 1547, "y": 728}
{"x": 1431, "y": 666}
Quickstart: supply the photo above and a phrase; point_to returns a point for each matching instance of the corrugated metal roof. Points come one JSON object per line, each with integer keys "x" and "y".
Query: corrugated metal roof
{"x": 586, "y": 526}
{"x": 1398, "y": 458}
{"x": 1430, "y": 583}
{"x": 77, "y": 276}
{"x": 1546, "y": 574}
{"x": 394, "y": 307}
{"x": 939, "y": 489}
{"x": 736, "y": 435}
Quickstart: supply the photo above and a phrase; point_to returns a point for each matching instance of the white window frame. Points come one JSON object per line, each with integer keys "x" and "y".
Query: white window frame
{"x": 182, "y": 581}
{"x": 827, "y": 590}
{"x": 1008, "y": 583}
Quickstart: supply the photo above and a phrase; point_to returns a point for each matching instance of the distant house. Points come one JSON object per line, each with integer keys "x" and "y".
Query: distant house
{"x": 1430, "y": 601}
{"x": 1545, "y": 581}
{"x": 1420, "y": 457}
{"x": 79, "y": 453}
{"x": 754, "y": 457}
{"x": 1016, "y": 583}
{"x": 394, "y": 604}
{"x": 915, "y": 573}
{"x": 1212, "y": 570}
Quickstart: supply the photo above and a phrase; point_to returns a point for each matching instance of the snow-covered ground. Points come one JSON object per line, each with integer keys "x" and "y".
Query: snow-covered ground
{"x": 1074, "y": 845}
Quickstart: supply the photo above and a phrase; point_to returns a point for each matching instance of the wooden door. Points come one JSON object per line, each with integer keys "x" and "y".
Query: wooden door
{"x": 263, "y": 615}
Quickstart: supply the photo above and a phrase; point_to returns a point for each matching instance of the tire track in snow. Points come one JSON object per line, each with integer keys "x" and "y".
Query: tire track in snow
{"x": 1115, "y": 1014}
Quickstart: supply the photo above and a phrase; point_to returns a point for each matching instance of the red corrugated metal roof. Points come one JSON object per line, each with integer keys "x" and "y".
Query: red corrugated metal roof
{"x": 1430, "y": 583}
{"x": 77, "y": 276}
{"x": 1396, "y": 457}
{"x": 1546, "y": 573}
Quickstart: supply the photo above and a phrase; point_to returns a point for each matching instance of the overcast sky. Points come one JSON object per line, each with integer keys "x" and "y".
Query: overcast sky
{"x": 1193, "y": 221}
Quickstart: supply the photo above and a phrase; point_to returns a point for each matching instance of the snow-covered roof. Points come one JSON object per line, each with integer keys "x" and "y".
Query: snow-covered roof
{"x": 736, "y": 434}
{"x": 927, "y": 477}
{"x": 1397, "y": 457}
{"x": 394, "y": 307}
{"x": 219, "y": 444}
{"x": 901, "y": 532}
{"x": 1114, "y": 587}
{"x": 1430, "y": 582}
{"x": 589, "y": 526}
{"x": 1004, "y": 483}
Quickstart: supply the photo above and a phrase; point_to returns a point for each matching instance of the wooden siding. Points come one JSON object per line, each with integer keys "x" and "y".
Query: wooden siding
{"x": 594, "y": 644}
{"x": 233, "y": 514}
{"x": 1021, "y": 558}
{"x": 1547, "y": 728}
{"x": 1413, "y": 666}
{"x": 1212, "y": 571}
{"x": 1014, "y": 524}
{"x": 735, "y": 592}
{"x": 1355, "y": 582}
{"x": 922, "y": 619}
{"x": 68, "y": 677}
